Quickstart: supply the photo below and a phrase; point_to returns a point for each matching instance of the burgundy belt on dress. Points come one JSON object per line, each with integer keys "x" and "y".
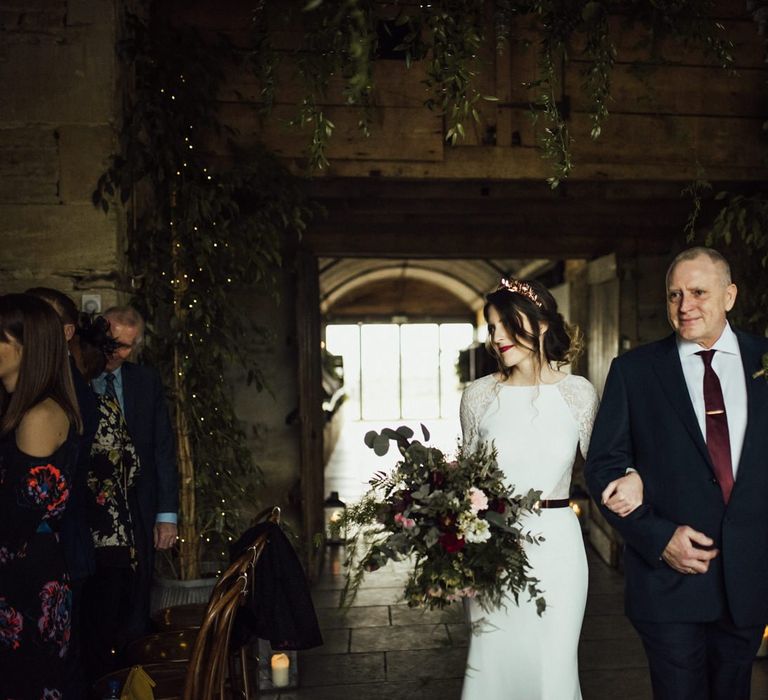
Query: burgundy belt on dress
{"x": 553, "y": 503}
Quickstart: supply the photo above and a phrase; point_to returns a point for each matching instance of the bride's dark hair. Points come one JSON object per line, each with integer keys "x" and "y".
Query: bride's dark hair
{"x": 561, "y": 343}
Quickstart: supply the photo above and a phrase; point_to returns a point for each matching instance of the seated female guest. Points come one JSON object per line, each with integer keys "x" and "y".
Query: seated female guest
{"x": 39, "y": 422}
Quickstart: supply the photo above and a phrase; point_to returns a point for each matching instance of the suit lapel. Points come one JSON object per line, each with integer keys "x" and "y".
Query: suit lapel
{"x": 757, "y": 392}
{"x": 129, "y": 395}
{"x": 670, "y": 373}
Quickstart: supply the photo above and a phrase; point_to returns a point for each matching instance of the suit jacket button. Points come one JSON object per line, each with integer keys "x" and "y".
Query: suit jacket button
{"x": 714, "y": 481}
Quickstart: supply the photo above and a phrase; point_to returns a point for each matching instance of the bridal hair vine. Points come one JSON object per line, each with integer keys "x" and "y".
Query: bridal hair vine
{"x": 520, "y": 287}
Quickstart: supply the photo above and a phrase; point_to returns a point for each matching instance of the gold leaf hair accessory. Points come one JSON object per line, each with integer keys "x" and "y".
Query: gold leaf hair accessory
{"x": 520, "y": 287}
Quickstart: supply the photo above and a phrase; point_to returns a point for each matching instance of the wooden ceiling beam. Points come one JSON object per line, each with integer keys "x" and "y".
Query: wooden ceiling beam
{"x": 461, "y": 242}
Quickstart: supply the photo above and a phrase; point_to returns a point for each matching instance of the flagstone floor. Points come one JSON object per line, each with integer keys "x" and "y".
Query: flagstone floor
{"x": 381, "y": 649}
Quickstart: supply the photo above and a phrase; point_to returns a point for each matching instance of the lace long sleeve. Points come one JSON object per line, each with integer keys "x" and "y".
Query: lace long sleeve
{"x": 581, "y": 398}
{"x": 474, "y": 401}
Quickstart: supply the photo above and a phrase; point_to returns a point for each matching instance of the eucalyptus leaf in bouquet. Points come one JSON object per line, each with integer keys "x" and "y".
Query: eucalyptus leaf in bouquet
{"x": 459, "y": 522}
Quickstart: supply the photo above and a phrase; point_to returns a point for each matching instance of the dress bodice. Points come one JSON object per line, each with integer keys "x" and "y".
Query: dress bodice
{"x": 537, "y": 430}
{"x": 34, "y": 489}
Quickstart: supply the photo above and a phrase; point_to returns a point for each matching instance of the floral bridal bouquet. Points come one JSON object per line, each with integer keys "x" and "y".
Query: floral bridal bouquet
{"x": 458, "y": 521}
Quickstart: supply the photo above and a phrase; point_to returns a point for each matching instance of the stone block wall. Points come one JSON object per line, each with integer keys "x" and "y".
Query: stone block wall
{"x": 57, "y": 116}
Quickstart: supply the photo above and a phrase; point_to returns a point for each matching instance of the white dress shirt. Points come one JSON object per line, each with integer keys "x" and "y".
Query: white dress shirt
{"x": 730, "y": 370}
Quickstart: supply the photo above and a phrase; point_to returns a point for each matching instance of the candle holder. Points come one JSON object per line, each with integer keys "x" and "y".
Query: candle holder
{"x": 333, "y": 509}
{"x": 278, "y": 670}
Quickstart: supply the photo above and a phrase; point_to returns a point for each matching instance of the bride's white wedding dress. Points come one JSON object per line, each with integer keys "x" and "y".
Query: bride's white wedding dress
{"x": 514, "y": 654}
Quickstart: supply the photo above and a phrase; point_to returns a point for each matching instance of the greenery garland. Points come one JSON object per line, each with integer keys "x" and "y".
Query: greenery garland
{"x": 740, "y": 224}
{"x": 341, "y": 38}
{"x": 201, "y": 236}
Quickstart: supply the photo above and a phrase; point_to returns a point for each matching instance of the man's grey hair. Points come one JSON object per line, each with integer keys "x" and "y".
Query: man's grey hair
{"x": 697, "y": 252}
{"x": 126, "y": 316}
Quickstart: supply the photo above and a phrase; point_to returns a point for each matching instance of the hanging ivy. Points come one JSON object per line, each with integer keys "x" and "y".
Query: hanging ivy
{"x": 201, "y": 237}
{"x": 340, "y": 38}
{"x": 739, "y": 225}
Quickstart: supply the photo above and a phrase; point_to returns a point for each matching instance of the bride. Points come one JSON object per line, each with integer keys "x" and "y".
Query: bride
{"x": 538, "y": 417}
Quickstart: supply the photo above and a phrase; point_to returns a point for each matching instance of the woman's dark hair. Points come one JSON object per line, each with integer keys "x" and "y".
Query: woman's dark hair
{"x": 63, "y": 303}
{"x": 44, "y": 370}
{"x": 560, "y": 343}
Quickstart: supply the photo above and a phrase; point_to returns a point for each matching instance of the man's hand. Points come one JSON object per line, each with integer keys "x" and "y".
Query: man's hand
{"x": 165, "y": 535}
{"x": 623, "y": 495}
{"x": 683, "y": 554}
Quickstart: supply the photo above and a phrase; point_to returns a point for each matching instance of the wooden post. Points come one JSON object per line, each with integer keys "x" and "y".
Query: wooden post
{"x": 189, "y": 537}
{"x": 310, "y": 403}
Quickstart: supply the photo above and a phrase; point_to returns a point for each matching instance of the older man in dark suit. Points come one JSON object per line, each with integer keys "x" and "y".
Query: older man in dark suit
{"x": 687, "y": 414}
{"x": 153, "y": 500}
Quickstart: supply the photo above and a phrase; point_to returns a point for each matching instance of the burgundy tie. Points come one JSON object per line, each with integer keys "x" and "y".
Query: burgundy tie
{"x": 718, "y": 442}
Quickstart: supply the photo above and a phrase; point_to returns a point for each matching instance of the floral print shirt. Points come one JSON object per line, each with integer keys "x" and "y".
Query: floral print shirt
{"x": 113, "y": 471}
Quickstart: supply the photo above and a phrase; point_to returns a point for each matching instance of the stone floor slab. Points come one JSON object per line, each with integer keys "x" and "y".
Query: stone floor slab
{"x": 403, "y": 615}
{"x": 334, "y": 618}
{"x": 459, "y": 634}
{"x": 341, "y": 669}
{"x": 610, "y": 684}
{"x": 605, "y": 604}
{"x": 449, "y": 689}
{"x": 335, "y": 641}
{"x": 430, "y": 664}
{"x": 607, "y": 627}
{"x": 364, "y": 597}
{"x": 611, "y": 654}
{"x": 402, "y": 637}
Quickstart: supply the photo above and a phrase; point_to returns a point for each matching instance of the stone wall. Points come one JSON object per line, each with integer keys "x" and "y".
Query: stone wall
{"x": 57, "y": 115}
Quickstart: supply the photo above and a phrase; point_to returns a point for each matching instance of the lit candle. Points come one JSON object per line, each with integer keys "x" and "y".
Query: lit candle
{"x": 280, "y": 667}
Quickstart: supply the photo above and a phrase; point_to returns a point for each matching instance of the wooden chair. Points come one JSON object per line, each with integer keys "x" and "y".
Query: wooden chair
{"x": 190, "y": 615}
{"x": 193, "y": 661}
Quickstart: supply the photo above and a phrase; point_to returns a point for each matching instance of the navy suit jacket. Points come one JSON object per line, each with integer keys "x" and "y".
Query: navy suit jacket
{"x": 646, "y": 420}
{"x": 149, "y": 424}
{"x": 156, "y": 486}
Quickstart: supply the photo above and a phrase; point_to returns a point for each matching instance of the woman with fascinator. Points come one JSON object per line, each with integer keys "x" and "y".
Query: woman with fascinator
{"x": 537, "y": 417}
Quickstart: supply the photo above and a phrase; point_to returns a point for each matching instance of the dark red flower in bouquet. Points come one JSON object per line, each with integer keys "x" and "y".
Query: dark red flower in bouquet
{"x": 498, "y": 505}
{"x": 437, "y": 478}
{"x": 447, "y": 520}
{"x": 402, "y": 501}
{"x": 451, "y": 543}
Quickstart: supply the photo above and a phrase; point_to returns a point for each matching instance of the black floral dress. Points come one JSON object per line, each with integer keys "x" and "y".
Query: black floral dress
{"x": 35, "y": 597}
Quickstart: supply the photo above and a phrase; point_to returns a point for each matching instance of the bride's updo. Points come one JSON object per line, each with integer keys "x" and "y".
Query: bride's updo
{"x": 514, "y": 299}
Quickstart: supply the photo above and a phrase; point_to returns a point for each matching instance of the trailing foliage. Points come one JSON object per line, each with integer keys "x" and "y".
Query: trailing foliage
{"x": 201, "y": 236}
{"x": 740, "y": 224}
{"x": 740, "y": 229}
{"x": 341, "y": 38}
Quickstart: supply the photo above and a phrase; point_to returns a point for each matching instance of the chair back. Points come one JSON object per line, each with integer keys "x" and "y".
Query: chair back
{"x": 206, "y": 672}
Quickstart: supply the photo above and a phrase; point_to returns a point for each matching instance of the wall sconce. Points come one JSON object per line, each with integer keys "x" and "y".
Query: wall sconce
{"x": 333, "y": 509}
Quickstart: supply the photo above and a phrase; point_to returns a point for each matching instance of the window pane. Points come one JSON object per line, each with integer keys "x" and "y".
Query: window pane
{"x": 381, "y": 371}
{"x": 420, "y": 350}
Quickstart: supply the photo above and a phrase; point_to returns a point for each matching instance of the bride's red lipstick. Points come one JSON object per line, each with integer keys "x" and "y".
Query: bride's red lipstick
{"x": 504, "y": 348}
